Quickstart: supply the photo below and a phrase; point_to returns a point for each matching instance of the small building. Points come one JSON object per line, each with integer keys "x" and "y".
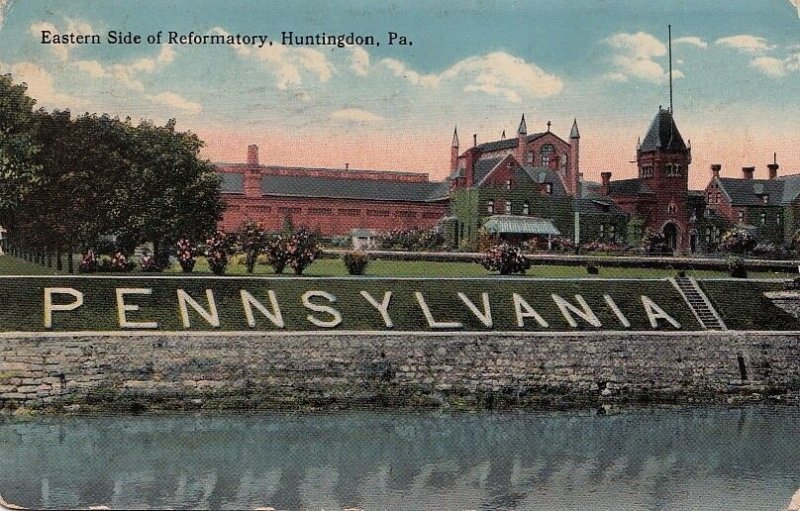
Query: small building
{"x": 767, "y": 207}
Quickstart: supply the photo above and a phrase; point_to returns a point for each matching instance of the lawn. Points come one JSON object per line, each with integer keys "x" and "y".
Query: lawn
{"x": 335, "y": 268}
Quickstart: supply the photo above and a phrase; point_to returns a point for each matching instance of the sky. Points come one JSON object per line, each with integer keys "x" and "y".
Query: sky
{"x": 475, "y": 64}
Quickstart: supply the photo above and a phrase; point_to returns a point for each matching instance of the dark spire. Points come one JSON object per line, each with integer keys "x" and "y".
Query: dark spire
{"x": 574, "y": 133}
{"x": 663, "y": 134}
{"x": 523, "y": 128}
{"x": 455, "y": 137}
{"x": 503, "y": 135}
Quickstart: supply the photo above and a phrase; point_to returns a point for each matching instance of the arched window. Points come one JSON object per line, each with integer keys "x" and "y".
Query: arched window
{"x": 508, "y": 207}
{"x": 526, "y": 208}
{"x": 547, "y": 154}
{"x": 508, "y": 184}
{"x": 672, "y": 208}
{"x": 763, "y": 218}
{"x": 490, "y": 206}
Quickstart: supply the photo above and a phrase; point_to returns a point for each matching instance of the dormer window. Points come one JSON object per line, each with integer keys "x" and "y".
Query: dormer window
{"x": 508, "y": 184}
{"x": 765, "y": 198}
{"x": 526, "y": 208}
{"x": 548, "y": 188}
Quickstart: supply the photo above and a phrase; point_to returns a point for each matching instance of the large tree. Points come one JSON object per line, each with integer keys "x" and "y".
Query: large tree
{"x": 18, "y": 147}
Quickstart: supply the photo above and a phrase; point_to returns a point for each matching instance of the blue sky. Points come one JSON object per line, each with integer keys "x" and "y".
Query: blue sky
{"x": 475, "y": 64}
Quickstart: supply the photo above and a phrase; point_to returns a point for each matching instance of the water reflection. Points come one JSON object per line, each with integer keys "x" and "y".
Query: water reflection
{"x": 649, "y": 459}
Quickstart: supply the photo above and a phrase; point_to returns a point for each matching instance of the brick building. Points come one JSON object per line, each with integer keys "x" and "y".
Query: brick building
{"x": 768, "y": 207}
{"x": 660, "y": 193}
{"x": 331, "y": 201}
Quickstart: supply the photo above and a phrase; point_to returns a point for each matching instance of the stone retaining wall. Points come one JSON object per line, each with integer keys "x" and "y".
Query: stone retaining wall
{"x": 247, "y": 371}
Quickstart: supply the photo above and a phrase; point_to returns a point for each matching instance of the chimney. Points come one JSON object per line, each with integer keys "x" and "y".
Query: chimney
{"x": 604, "y": 186}
{"x": 715, "y": 168}
{"x": 252, "y": 155}
{"x": 747, "y": 172}
{"x": 474, "y": 139}
{"x": 773, "y": 170}
{"x": 346, "y": 166}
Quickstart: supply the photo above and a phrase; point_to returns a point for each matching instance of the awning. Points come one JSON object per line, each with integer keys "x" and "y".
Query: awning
{"x": 515, "y": 224}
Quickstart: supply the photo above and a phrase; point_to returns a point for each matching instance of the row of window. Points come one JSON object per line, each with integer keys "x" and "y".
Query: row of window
{"x": 546, "y": 155}
{"x": 285, "y": 210}
{"x": 762, "y": 218}
{"x": 671, "y": 170}
{"x": 490, "y": 207}
{"x": 607, "y": 232}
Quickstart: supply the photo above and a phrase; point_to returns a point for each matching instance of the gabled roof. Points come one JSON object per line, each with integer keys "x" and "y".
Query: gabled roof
{"x": 629, "y": 187}
{"x": 663, "y": 134}
{"x": 509, "y": 143}
{"x": 232, "y": 182}
{"x": 750, "y": 192}
{"x": 595, "y": 206}
{"x": 364, "y": 189}
{"x": 484, "y": 167}
{"x": 791, "y": 187}
{"x": 541, "y": 175}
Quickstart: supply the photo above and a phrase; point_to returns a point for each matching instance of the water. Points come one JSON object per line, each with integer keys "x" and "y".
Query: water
{"x": 659, "y": 459}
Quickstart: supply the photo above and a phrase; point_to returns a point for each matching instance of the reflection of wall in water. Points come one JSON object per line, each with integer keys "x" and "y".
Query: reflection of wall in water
{"x": 400, "y": 461}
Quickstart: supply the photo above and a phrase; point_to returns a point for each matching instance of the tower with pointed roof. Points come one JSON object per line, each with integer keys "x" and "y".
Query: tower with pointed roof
{"x": 454, "y": 150}
{"x": 663, "y": 160}
{"x": 573, "y": 168}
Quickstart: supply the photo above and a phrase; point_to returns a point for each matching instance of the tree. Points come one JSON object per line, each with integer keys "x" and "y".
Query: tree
{"x": 18, "y": 148}
{"x": 253, "y": 239}
{"x": 302, "y": 249}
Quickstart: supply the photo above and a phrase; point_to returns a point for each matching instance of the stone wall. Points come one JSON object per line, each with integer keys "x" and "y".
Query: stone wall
{"x": 268, "y": 371}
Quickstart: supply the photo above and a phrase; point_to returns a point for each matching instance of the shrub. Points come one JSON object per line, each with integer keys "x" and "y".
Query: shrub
{"x": 277, "y": 254}
{"x": 217, "y": 247}
{"x": 736, "y": 267}
{"x": 88, "y": 262}
{"x": 120, "y": 263}
{"x": 185, "y": 255}
{"x": 356, "y": 262}
{"x": 148, "y": 263}
{"x": 302, "y": 249}
{"x": 562, "y": 244}
{"x": 506, "y": 259}
{"x": 252, "y": 240}
{"x": 410, "y": 239}
{"x": 770, "y": 250}
{"x": 737, "y": 241}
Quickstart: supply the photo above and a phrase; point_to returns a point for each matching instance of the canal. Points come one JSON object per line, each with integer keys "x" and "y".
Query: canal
{"x": 641, "y": 459}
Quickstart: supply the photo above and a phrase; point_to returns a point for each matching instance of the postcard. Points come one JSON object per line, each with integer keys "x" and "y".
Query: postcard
{"x": 400, "y": 255}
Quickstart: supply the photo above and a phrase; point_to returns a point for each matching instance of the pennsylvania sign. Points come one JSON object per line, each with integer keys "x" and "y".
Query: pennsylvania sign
{"x": 291, "y": 304}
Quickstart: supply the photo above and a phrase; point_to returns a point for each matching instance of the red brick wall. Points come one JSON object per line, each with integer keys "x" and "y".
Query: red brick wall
{"x": 330, "y": 216}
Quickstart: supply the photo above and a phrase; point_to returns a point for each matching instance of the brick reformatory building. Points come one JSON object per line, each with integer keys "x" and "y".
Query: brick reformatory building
{"x": 529, "y": 184}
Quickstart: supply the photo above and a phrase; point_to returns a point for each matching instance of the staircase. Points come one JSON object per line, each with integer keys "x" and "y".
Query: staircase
{"x": 698, "y": 303}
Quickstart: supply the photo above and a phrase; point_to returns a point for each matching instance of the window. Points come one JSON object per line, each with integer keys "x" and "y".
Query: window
{"x": 508, "y": 207}
{"x": 765, "y": 198}
{"x": 548, "y": 188}
{"x": 741, "y": 217}
{"x": 349, "y": 212}
{"x": 490, "y": 206}
{"x": 647, "y": 171}
{"x": 678, "y": 170}
{"x": 508, "y": 184}
{"x": 718, "y": 198}
{"x": 546, "y": 154}
{"x": 672, "y": 208}
{"x": 526, "y": 208}
{"x": 406, "y": 214}
{"x": 778, "y": 219}
{"x": 763, "y": 218}
{"x": 602, "y": 231}
{"x": 611, "y": 232}
{"x": 710, "y": 197}
{"x": 529, "y": 157}
{"x": 670, "y": 169}
{"x": 377, "y": 212}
